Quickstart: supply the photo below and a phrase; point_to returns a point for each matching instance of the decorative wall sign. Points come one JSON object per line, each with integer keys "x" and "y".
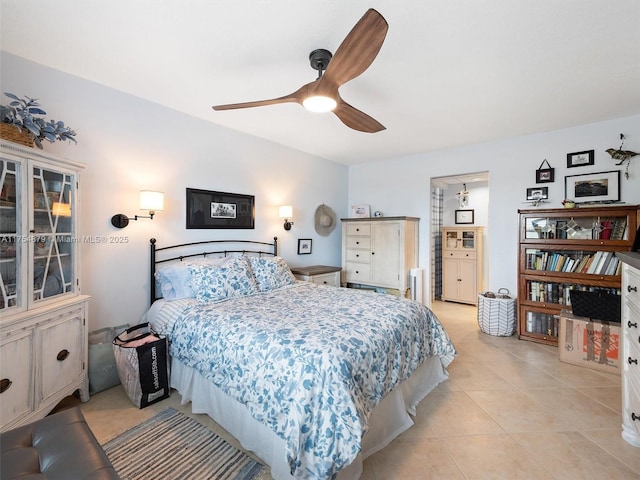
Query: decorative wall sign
{"x": 580, "y": 159}
{"x": 601, "y": 187}
{"x": 206, "y": 209}
{"x": 545, "y": 175}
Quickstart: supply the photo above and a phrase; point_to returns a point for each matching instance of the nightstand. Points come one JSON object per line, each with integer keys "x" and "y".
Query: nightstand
{"x": 320, "y": 274}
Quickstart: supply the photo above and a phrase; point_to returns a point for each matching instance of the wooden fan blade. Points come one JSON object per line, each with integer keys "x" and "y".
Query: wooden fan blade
{"x": 296, "y": 96}
{"x": 354, "y": 118}
{"x": 358, "y": 50}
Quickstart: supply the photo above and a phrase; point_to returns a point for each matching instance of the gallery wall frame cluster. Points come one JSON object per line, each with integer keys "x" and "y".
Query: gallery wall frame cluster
{"x": 593, "y": 187}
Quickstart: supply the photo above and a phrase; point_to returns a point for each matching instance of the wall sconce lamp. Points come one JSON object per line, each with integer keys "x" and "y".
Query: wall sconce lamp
{"x": 286, "y": 212}
{"x": 149, "y": 200}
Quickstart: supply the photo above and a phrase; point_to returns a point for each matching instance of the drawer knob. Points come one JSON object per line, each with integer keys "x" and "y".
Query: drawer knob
{"x": 631, "y": 289}
{"x": 634, "y": 417}
{"x": 5, "y": 383}
{"x": 62, "y": 355}
{"x": 632, "y": 360}
{"x": 357, "y": 255}
{"x": 357, "y": 271}
{"x": 357, "y": 243}
{"x": 629, "y": 324}
{"x": 373, "y": 253}
{"x": 325, "y": 282}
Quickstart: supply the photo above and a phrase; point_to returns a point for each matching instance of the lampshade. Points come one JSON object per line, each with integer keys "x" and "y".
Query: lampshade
{"x": 286, "y": 211}
{"x": 152, "y": 201}
{"x": 319, "y": 103}
{"x": 60, "y": 209}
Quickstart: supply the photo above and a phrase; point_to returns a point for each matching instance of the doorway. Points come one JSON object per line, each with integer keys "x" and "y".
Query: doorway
{"x": 467, "y": 192}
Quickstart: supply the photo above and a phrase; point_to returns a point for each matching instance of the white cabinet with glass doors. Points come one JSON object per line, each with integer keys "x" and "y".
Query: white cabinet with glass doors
{"x": 39, "y": 284}
{"x": 461, "y": 264}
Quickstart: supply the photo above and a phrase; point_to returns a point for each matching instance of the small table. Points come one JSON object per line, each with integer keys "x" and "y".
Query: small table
{"x": 320, "y": 274}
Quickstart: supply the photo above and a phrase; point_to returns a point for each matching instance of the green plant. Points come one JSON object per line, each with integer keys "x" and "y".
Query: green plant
{"x": 22, "y": 112}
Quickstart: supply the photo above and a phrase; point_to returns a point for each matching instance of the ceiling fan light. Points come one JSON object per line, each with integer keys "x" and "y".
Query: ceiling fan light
{"x": 319, "y": 103}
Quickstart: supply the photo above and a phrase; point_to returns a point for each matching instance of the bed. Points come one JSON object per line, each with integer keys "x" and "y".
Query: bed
{"x": 311, "y": 378}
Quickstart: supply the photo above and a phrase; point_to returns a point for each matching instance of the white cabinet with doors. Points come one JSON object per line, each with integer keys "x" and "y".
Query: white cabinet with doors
{"x": 461, "y": 264}
{"x": 379, "y": 252}
{"x": 43, "y": 316}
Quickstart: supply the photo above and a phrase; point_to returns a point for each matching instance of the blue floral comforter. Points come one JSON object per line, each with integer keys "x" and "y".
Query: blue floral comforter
{"x": 310, "y": 361}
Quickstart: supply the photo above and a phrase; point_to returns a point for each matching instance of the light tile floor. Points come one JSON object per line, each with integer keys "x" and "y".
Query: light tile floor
{"x": 509, "y": 410}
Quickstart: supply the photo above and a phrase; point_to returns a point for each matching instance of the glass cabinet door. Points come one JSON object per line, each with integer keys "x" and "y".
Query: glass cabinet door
{"x": 469, "y": 239}
{"x": 10, "y": 241}
{"x": 53, "y": 233}
{"x": 451, "y": 239}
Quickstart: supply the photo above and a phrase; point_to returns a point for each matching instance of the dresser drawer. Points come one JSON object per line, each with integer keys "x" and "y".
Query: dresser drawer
{"x": 359, "y": 242}
{"x": 358, "y": 256}
{"x": 632, "y": 290}
{"x": 469, "y": 255}
{"x": 357, "y": 272}
{"x": 358, "y": 229}
{"x": 332, "y": 279}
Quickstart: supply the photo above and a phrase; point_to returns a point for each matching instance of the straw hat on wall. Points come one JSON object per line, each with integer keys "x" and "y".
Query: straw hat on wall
{"x": 325, "y": 220}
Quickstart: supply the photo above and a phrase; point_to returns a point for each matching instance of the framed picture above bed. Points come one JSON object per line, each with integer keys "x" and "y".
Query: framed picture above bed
{"x": 207, "y": 209}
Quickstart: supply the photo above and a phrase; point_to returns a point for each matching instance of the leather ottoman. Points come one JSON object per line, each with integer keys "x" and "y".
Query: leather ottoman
{"x": 60, "y": 446}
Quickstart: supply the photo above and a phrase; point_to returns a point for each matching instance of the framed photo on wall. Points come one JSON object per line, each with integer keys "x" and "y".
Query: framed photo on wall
{"x": 580, "y": 159}
{"x": 207, "y": 209}
{"x": 304, "y": 246}
{"x": 464, "y": 217}
{"x": 602, "y": 187}
{"x": 537, "y": 193}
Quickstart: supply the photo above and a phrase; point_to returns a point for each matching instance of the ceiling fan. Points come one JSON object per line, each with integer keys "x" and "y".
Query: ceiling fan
{"x": 354, "y": 55}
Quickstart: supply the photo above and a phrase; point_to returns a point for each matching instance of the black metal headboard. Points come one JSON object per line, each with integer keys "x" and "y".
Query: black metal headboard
{"x": 188, "y": 251}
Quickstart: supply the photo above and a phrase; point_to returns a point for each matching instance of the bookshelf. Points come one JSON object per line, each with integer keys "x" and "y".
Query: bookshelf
{"x": 565, "y": 249}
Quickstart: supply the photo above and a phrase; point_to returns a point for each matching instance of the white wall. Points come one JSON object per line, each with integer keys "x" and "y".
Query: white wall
{"x": 401, "y": 186}
{"x": 129, "y": 144}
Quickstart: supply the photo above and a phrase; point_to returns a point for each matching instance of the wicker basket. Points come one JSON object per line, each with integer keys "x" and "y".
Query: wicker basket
{"x": 16, "y": 135}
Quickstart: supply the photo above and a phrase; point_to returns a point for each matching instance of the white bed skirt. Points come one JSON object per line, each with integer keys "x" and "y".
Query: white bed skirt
{"x": 388, "y": 420}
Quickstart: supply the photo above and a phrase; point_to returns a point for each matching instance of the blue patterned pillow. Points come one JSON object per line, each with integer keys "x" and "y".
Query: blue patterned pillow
{"x": 211, "y": 283}
{"x": 271, "y": 273}
{"x": 172, "y": 280}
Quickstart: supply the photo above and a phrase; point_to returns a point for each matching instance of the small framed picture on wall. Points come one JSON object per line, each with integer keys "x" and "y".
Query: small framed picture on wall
{"x": 304, "y": 246}
{"x": 464, "y": 217}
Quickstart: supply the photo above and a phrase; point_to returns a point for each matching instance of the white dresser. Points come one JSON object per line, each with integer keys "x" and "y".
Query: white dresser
{"x": 43, "y": 316}
{"x": 379, "y": 251}
{"x": 630, "y": 357}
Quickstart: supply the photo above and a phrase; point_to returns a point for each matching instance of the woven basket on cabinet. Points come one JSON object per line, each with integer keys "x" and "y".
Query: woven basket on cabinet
{"x": 16, "y": 135}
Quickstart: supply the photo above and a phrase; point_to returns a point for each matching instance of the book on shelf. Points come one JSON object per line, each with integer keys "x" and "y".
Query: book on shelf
{"x": 594, "y": 263}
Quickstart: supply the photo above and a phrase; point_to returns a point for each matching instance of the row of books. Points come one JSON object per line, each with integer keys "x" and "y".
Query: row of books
{"x": 560, "y": 292}
{"x": 543, "y": 323}
{"x": 613, "y": 229}
{"x": 598, "y": 263}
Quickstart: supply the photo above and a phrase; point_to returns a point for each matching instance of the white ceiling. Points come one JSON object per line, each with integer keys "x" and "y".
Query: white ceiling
{"x": 450, "y": 72}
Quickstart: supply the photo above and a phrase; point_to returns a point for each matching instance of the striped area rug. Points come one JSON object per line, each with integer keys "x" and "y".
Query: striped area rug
{"x": 172, "y": 446}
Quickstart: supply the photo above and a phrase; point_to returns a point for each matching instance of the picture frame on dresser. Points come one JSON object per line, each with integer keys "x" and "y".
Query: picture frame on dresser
{"x": 600, "y": 187}
{"x": 360, "y": 211}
